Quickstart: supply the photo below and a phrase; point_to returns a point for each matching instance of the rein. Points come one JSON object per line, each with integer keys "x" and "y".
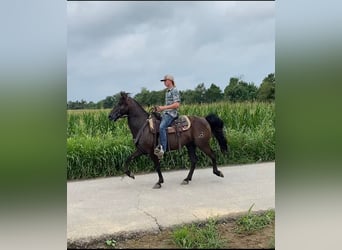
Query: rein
{"x": 136, "y": 139}
{"x": 140, "y": 132}
{"x": 123, "y": 116}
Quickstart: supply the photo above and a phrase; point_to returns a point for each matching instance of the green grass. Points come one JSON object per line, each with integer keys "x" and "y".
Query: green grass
{"x": 250, "y": 223}
{"x": 111, "y": 243}
{"x": 271, "y": 243}
{"x": 192, "y": 236}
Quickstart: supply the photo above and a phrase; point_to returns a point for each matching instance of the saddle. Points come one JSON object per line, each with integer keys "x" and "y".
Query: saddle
{"x": 182, "y": 123}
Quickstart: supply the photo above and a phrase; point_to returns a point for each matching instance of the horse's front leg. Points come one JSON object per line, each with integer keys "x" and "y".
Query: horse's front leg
{"x": 157, "y": 167}
{"x": 129, "y": 159}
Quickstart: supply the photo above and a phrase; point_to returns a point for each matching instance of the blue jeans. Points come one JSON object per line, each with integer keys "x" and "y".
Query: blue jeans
{"x": 165, "y": 122}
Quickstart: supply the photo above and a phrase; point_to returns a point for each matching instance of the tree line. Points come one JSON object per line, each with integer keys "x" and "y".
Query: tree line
{"x": 237, "y": 90}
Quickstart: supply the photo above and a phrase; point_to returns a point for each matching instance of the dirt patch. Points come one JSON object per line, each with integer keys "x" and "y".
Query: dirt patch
{"x": 262, "y": 239}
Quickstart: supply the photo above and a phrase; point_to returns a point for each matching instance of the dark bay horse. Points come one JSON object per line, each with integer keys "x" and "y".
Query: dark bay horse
{"x": 198, "y": 135}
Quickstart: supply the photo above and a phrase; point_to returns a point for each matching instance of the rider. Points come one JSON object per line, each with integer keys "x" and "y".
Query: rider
{"x": 170, "y": 110}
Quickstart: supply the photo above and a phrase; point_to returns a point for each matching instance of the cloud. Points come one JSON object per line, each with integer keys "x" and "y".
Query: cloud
{"x": 114, "y": 46}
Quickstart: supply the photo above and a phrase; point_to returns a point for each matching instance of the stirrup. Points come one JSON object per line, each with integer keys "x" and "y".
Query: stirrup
{"x": 158, "y": 151}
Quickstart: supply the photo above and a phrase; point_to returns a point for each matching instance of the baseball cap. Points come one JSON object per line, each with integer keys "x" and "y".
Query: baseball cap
{"x": 167, "y": 77}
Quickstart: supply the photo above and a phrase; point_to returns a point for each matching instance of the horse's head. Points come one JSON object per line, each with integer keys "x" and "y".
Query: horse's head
{"x": 121, "y": 109}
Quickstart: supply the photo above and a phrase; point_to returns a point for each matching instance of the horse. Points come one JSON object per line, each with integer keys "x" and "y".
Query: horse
{"x": 198, "y": 135}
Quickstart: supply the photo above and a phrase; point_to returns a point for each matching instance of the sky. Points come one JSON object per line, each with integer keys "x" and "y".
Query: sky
{"x": 126, "y": 46}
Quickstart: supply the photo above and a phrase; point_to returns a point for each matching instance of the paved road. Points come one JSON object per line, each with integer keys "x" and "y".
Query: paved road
{"x": 114, "y": 205}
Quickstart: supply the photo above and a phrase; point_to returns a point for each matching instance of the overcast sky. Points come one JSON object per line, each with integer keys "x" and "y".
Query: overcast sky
{"x": 125, "y": 46}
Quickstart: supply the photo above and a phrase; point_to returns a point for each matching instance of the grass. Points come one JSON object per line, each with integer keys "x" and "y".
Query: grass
{"x": 206, "y": 237}
{"x": 111, "y": 243}
{"x": 271, "y": 243}
{"x": 250, "y": 223}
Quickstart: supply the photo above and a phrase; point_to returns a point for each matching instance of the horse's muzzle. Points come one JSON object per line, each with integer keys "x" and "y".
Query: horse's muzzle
{"x": 113, "y": 118}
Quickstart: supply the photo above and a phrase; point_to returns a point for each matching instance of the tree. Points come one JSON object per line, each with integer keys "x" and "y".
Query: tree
{"x": 200, "y": 91}
{"x": 143, "y": 97}
{"x": 157, "y": 97}
{"x": 77, "y": 104}
{"x": 233, "y": 82}
{"x": 188, "y": 96}
{"x": 110, "y": 101}
{"x": 252, "y": 91}
{"x": 238, "y": 90}
{"x": 266, "y": 91}
{"x": 213, "y": 94}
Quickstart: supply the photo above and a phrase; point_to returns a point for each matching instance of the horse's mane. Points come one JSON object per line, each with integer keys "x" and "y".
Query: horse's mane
{"x": 139, "y": 105}
{"x": 125, "y": 95}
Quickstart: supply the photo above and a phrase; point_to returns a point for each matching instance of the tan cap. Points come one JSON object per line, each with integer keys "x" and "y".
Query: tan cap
{"x": 168, "y": 77}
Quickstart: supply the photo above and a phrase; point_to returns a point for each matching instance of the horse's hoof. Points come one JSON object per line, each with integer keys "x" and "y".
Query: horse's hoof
{"x": 185, "y": 182}
{"x": 219, "y": 173}
{"x": 129, "y": 174}
{"x": 157, "y": 186}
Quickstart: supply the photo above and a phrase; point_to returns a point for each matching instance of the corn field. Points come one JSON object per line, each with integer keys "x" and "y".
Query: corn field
{"x": 97, "y": 147}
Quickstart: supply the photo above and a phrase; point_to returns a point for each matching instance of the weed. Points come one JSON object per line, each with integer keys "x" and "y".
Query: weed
{"x": 252, "y": 222}
{"x": 111, "y": 243}
{"x": 196, "y": 237}
{"x": 271, "y": 243}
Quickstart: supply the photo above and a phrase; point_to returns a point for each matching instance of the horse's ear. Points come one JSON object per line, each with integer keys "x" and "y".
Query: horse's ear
{"x": 123, "y": 94}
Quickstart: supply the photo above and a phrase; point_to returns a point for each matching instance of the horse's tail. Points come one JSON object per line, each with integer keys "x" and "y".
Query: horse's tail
{"x": 216, "y": 125}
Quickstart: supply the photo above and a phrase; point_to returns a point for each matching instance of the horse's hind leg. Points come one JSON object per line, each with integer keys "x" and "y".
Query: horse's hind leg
{"x": 208, "y": 151}
{"x": 157, "y": 167}
{"x": 193, "y": 158}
